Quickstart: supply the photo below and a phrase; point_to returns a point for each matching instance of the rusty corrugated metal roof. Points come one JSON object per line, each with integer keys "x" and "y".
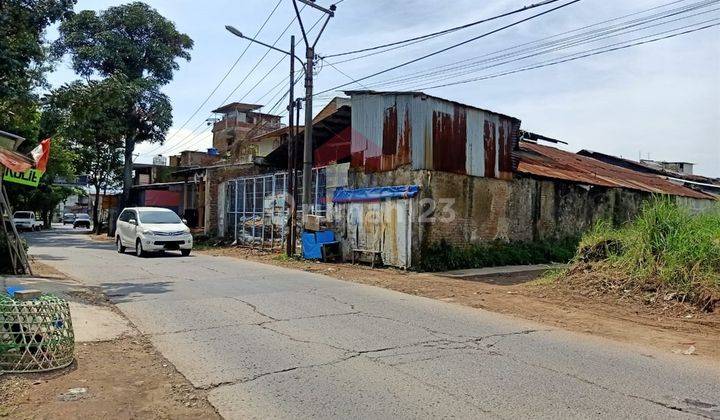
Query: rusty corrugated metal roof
{"x": 550, "y": 162}
{"x": 422, "y": 95}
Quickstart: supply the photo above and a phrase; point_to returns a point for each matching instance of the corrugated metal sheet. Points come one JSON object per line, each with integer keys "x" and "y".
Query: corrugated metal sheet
{"x": 398, "y": 128}
{"x": 383, "y": 226}
{"x": 549, "y": 162}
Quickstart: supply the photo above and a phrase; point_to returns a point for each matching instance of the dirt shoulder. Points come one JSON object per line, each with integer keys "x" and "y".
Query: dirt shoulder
{"x": 122, "y": 378}
{"x": 674, "y": 329}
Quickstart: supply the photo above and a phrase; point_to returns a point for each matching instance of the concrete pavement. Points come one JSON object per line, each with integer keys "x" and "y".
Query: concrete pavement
{"x": 270, "y": 342}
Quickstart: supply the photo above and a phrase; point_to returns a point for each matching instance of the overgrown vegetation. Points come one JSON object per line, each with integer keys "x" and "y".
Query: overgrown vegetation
{"x": 666, "y": 250}
{"x": 442, "y": 256}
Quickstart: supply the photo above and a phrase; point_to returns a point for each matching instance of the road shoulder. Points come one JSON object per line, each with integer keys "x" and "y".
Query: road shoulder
{"x": 117, "y": 372}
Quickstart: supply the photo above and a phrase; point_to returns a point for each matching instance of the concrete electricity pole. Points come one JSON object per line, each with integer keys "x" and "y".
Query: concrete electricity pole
{"x": 309, "y": 63}
{"x": 290, "y": 178}
{"x": 290, "y": 246}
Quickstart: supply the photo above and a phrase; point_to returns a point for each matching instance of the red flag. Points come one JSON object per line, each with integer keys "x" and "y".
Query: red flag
{"x": 41, "y": 155}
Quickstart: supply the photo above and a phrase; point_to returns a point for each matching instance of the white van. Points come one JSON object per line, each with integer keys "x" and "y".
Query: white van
{"x": 152, "y": 229}
{"x": 25, "y": 220}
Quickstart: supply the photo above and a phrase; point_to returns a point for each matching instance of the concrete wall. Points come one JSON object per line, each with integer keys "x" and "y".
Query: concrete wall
{"x": 466, "y": 210}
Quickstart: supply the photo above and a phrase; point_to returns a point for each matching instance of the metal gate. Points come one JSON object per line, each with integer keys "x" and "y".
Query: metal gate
{"x": 257, "y": 207}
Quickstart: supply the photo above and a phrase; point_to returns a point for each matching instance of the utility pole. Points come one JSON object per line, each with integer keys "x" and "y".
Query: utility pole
{"x": 309, "y": 62}
{"x": 292, "y": 140}
{"x": 293, "y": 179}
{"x": 290, "y": 179}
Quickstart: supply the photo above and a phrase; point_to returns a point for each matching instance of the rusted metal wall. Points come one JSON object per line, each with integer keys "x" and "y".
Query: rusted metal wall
{"x": 395, "y": 129}
{"x": 384, "y": 226}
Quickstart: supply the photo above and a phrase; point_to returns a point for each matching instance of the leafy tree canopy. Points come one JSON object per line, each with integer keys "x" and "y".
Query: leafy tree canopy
{"x": 132, "y": 39}
{"x": 24, "y": 59}
{"x": 136, "y": 42}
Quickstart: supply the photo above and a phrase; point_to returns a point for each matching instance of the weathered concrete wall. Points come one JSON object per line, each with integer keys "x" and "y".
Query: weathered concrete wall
{"x": 464, "y": 210}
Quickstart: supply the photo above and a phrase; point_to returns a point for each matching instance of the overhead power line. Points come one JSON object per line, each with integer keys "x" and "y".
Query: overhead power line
{"x": 539, "y": 47}
{"x": 602, "y": 50}
{"x": 442, "y": 32}
{"x": 195, "y": 136}
{"x": 232, "y": 67}
{"x": 236, "y": 87}
{"x": 415, "y": 60}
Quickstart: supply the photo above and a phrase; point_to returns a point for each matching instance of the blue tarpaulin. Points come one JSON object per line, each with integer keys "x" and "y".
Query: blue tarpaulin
{"x": 345, "y": 195}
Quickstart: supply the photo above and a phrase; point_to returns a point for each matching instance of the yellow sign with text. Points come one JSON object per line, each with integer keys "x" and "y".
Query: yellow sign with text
{"x": 31, "y": 177}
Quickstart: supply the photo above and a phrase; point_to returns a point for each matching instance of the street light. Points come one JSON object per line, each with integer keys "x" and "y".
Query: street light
{"x": 233, "y": 30}
{"x": 290, "y": 250}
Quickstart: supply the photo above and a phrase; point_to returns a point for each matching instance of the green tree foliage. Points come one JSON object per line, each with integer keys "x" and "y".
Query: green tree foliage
{"x": 136, "y": 42}
{"x": 24, "y": 59}
{"x": 132, "y": 39}
{"x": 92, "y": 118}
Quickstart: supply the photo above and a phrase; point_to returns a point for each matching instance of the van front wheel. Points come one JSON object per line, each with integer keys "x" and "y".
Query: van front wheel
{"x": 120, "y": 247}
{"x": 139, "y": 249}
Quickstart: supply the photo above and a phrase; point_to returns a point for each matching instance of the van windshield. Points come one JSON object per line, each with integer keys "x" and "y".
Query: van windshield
{"x": 23, "y": 215}
{"x": 159, "y": 217}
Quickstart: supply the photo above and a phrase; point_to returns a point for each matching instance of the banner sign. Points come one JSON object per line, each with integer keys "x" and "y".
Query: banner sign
{"x": 31, "y": 177}
{"x": 16, "y": 168}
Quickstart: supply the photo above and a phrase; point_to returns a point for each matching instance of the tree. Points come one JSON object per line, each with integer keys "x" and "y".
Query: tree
{"x": 134, "y": 41}
{"x": 92, "y": 119}
{"x": 24, "y": 59}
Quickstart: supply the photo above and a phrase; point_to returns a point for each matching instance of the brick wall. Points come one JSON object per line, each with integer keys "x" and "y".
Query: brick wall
{"x": 214, "y": 179}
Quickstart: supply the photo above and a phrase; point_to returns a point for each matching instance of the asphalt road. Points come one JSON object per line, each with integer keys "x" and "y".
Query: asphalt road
{"x": 270, "y": 342}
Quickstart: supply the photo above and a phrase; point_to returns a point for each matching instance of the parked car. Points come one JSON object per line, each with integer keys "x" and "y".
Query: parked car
{"x": 68, "y": 219}
{"x": 82, "y": 220}
{"x": 25, "y": 220}
{"x": 152, "y": 229}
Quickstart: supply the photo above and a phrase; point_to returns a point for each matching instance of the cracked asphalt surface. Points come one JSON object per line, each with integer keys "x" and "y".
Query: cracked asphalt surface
{"x": 270, "y": 342}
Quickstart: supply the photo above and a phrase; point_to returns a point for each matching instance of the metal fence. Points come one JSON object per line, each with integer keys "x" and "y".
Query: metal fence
{"x": 257, "y": 207}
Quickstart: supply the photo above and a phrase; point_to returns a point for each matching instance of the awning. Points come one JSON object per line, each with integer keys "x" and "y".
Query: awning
{"x": 345, "y": 195}
{"x": 14, "y": 161}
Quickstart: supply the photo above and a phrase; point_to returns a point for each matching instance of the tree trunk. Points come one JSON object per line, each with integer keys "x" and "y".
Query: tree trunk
{"x": 46, "y": 218}
{"x": 96, "y": 211}
{"x": 127, "y": 171}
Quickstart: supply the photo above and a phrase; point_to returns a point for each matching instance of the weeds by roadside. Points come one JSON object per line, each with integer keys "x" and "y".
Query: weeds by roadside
{"x": 667, "y": 250}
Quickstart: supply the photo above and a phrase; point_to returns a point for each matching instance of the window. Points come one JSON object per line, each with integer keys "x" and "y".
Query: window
{"x": 126, "y": 215}
{"x": 159, "y": 217}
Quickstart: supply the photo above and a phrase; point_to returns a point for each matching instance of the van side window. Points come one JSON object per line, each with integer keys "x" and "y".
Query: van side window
{"x": 125, "y": 216}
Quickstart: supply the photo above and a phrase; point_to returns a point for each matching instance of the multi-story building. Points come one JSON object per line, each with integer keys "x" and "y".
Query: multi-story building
{"x": 238, "y": 123}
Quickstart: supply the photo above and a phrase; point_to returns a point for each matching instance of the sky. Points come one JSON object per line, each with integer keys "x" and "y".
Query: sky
{"x": 659, "y": 100}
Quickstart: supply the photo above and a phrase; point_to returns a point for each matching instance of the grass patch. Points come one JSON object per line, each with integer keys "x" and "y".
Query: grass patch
{"x": 441, "y": 256}
{"x": 549, "y": 277}
{"x": 667, "y": 249}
